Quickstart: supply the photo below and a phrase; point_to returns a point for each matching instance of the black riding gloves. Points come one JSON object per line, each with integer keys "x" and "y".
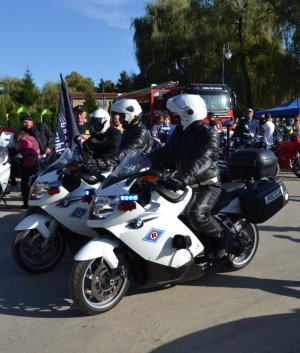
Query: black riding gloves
{"x": 174, "y": 184}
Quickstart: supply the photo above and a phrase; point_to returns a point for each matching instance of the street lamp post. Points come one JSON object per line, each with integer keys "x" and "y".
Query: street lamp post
{"x": 103, "y": 99}
{"x": 226, "y": 53}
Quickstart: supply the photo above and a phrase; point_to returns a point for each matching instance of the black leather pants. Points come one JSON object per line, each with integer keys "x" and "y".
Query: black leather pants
{"x": 198, "y": 211}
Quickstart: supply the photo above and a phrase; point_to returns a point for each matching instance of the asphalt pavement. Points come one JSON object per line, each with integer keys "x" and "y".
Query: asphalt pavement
{"x": 254, "y": 310}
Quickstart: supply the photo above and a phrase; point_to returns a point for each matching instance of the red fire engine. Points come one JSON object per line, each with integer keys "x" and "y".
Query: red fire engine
{"x": 219, "y": 98}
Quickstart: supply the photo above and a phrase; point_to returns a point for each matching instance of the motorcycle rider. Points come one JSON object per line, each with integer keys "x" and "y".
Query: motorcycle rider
{"x": 105, "y": 139}
{"x": 135, "y": 138}
{"x": 195, "y": 148}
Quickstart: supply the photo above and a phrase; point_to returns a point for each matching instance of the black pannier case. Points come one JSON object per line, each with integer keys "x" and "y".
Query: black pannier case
{"x": 252, "y": 163}
{"x": 263, "y": 199}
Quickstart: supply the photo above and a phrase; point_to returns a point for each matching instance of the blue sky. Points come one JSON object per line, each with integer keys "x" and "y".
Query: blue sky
{"x": 92, "y": 37}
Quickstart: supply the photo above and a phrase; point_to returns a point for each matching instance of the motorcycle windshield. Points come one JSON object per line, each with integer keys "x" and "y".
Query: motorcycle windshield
{"x": 131, "y": 166}
{"x": 67, "y": 157}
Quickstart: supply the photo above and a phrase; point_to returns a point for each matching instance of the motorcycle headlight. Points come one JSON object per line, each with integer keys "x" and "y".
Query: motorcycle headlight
{"x": 102, "y": 207}
{"x": 38, "y": 190}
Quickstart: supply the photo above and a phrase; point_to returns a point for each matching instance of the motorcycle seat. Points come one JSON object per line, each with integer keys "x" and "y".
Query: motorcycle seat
{"x": 229, "y": 191}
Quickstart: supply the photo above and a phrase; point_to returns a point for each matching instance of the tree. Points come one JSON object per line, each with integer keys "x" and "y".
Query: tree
{"x": 162, "y": 39}
{"x": 287, "y": 12}
{"x": 90, "y": 101}
{"x": 183, "y": 40}
{"x": 124, "y": 82}
{"x": 260, "y": 60}
{"x": 28, "y": 93}
{"x": 49, "y": 99}
{"x": 50, "y": 96}
{"x": 8, "y": 103}
{"x": 77, "y": 83}
{"x": 105, "y": 86}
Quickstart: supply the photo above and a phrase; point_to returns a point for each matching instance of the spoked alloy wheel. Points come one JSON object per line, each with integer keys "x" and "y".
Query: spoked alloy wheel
{"x": 35, "y": 254}
{"x": 95, "y": 288}
{"x": 247, "y": 231}
{"x": 296, "y": 167}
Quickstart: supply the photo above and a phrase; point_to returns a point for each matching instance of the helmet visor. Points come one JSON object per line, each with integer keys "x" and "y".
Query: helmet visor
{"x": 98, "y": 124}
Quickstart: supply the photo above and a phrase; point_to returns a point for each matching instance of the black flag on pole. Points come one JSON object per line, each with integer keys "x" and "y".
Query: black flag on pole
{"x": 67, "y": 133}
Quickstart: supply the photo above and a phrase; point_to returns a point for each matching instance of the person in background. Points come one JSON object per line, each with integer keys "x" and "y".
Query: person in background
{"x": 296, "y": 126}
{"x": 212, "y": 120}
{"x": 268, "y": 128}
{"x": 41, "y": 132}
{"x": 28, "y": 148}
{"x": 105, "y": 139}
{"x": 236, "y": 121}
{"x": 116, "y": 122}
{"x": 165, "y": 130}
{"x": 247, "y": 128}
{"x": 155, "y": 128}
{"x": 81, "y": 118}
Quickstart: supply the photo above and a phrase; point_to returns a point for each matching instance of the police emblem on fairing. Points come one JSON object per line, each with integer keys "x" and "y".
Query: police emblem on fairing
{"x": 153, "y": 235}
{"x": 78, "y": 212}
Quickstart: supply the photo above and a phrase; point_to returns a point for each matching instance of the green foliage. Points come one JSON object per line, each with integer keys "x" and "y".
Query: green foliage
{"x": 77, "y": 83}
{"x": 49, "y": 96}
{"x": 183, "y": 40}
{"x": 90, "y": 101}
{"x": 124, "y": 82}
{"x": 28, "y": 93}
{"x": 105, "y": 86}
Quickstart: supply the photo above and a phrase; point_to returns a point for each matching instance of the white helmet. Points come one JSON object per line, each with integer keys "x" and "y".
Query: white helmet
{"x": 190, "y": 108}
{"x": 99, "y": 121}
{"x": 128, "y": 108}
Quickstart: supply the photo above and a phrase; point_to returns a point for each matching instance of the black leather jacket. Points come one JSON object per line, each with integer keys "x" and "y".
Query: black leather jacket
{"x": 195, "y": 151}
{"x": 135, "y": 139}
{"x": 44, "y": 136}
{"x": 101, "y": 145}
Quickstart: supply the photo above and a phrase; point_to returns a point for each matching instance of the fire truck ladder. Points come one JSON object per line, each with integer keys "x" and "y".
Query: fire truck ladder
{"x": 165, "y": 85}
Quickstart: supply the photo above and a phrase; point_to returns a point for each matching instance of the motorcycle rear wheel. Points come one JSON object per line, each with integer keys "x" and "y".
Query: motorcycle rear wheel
{"x": 95, "y": 288}
{"x": 35, "y": 254}
{"x": 296, "y": 167}
{"x": 234, "y": 262}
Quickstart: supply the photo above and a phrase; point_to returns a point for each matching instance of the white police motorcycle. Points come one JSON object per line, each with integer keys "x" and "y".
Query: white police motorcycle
{"x": 58, "y": 201}
{"x": 144, "y": 235}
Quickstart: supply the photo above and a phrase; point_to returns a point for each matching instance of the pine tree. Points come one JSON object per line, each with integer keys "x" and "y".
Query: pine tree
{"x": 28, "y": 94}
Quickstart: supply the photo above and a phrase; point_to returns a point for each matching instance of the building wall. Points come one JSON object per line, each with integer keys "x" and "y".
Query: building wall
{"x": 103, "y": 100}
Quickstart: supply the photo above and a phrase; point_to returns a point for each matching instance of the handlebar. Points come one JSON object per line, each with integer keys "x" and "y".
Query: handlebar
{"x": 157, "y": 180}
{"x": 169, "y": 196}
{"x": 90, "y": 173}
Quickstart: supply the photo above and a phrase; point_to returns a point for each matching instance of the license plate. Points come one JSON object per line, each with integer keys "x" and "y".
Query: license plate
{"x": 273, "y": 195}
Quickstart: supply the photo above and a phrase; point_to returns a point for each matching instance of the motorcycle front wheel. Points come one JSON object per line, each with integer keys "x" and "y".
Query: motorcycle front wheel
{"x": 250, "y": 232}
{"x": 95, "y": 288}
{"x": 35, "y": 254}
{"x": 296, "y": 167}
